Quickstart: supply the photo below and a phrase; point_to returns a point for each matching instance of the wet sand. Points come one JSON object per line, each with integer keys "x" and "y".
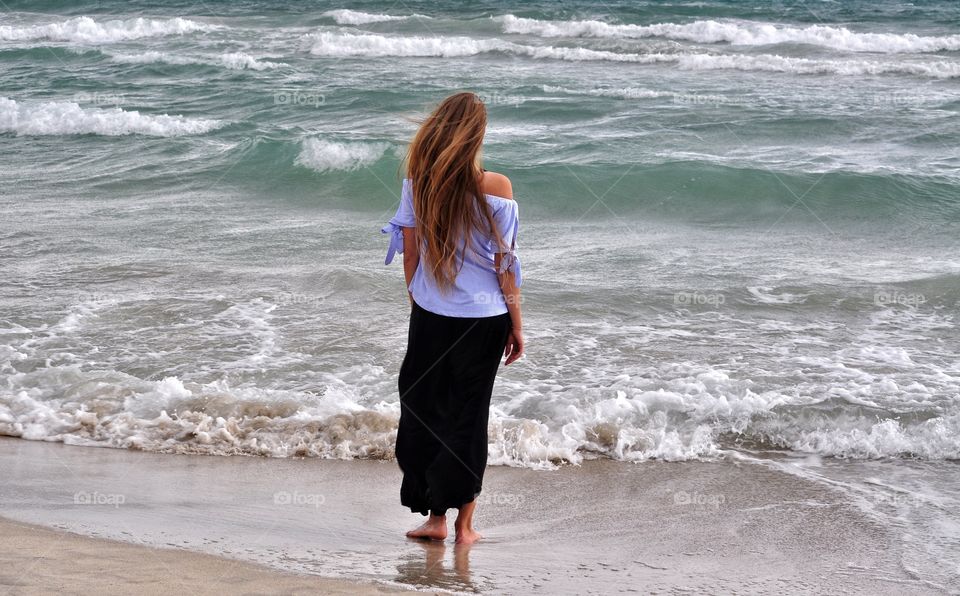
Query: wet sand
{"x": 36, "y": 560}
{"x": 603, "y": 527}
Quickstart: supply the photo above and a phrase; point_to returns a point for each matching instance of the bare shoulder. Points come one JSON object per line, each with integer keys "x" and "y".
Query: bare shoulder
{"x": 493, "y": 183}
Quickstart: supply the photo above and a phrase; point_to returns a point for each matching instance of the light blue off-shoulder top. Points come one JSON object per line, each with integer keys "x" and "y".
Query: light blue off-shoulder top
{"x": 476, "y": 291}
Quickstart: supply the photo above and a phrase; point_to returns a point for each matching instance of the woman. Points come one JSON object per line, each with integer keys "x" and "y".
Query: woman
{"x": 457, "y": 230}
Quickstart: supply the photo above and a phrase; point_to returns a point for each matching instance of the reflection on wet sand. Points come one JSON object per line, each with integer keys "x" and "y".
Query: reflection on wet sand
{"x": 428, "y": 569}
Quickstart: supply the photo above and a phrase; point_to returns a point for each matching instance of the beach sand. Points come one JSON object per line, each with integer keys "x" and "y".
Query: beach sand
{"x": 603, "y": 527}
{"x": 37, "y": 560}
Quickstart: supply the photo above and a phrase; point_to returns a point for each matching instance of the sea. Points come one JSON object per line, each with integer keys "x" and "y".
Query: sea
{"x": 740, "y": 232}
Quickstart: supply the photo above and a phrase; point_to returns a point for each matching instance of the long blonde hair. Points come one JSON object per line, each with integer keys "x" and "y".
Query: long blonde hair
{"x": 443, "y": 163}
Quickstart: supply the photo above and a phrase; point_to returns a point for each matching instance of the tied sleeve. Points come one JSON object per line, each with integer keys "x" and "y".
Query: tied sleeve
{"x": 402, "y": 219}
{"x": 508, "y": 224}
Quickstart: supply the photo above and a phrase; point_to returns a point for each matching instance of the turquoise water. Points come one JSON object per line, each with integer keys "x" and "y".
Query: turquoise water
{"x": 740, "y": 226}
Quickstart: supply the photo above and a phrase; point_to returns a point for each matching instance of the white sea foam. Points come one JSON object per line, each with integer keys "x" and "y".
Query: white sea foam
{"x": 768, "y": 295}
{"x": 372, "y": 45}
{"x": 87, "y": 30}
{"x": 621, "y": 92}
{"x": 170, "y": 415}
{"x": 941, "y": 69}
{"x": 232, "y": 61}
{"x": 323, "y": 155}
{"x": 68, "y": 118}
{"x": 350, "y": 44}
{"x": 873, "y": 398}
{"x": 241, "y": 61}
{"x": 344, "y": 16}
{"x": 738, "y": 33}
{"x": 937, "y": 438}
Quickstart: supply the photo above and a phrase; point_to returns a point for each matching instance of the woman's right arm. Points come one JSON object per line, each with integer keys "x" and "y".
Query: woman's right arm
{"x": 511, "y": 295}
{"x": 499, "y": 185}
{"x": 411, "y": 258}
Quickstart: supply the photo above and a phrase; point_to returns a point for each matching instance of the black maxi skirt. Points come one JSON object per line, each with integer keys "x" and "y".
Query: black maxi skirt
{"x": 446, "y": 380}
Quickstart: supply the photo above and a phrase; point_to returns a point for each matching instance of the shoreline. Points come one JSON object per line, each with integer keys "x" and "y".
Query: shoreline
{"x": 606, "y": 526}
{"x": 39, "y": 560}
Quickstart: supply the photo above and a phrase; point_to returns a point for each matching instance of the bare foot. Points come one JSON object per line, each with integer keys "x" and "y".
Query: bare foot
{"x": 467, "y": 536}
{"x": 435, "y": 528}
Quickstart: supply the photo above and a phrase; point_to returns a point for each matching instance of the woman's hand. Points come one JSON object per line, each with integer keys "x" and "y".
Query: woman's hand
{"x": 514, "y": 347}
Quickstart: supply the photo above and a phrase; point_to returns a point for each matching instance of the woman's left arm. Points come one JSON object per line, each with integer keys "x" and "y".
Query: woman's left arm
{"x": 411, "y": 257}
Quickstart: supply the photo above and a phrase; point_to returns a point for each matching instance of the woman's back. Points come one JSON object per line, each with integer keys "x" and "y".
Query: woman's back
{"x": 476, "y": 288}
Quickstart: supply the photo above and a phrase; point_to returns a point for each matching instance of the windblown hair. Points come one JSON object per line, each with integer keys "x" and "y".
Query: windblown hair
{"x": 443, "y": 163}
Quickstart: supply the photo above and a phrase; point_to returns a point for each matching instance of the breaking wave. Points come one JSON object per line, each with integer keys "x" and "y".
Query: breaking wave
{"x": 738, "y": 33}
{"x": 68, "y": 118}
{"x": 87, "y": 30}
